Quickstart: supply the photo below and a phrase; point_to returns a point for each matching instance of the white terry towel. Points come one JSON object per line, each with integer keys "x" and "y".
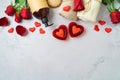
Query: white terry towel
{"x": 68, "y": 14}
{"x": 91, "y": 11}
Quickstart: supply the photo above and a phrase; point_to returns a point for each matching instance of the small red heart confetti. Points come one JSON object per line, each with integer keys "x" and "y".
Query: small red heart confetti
{"x": 75, "y": 29}
{"x": 60, "y": 33}
{"x": 67, "y": 8}
{"x": 32, "y": 29}
{"x": 42, "y": 31}
{"x": 102, "y": 22}
{"x": 96, "y": 28}
{"x": 11, "y": 30}
{"x": 37, "y": 24}
{"x": 108, "y": 30}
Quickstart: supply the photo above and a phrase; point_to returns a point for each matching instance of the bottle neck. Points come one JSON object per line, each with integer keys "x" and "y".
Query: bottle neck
{"x": 45, "y": 21}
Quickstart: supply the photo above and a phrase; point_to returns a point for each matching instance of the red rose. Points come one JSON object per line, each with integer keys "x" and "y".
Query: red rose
{"x": 115, "y": 17}
{"x": 25, "y": 13}
{"x": 10, "y": 10}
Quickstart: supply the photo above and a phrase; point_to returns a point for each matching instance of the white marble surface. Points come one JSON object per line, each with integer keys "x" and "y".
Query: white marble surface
{"x": 94, "y": 56}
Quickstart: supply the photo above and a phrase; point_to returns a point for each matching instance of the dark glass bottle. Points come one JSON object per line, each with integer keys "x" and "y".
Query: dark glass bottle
{"x": 40, "y": 10}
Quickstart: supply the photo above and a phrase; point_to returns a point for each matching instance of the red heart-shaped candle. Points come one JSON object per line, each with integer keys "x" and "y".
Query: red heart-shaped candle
{"x": 60, "y": 33}
{"x": 75, "y": 29}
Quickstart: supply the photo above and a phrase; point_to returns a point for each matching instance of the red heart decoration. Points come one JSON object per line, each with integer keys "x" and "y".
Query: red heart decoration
{"x": 37, "y": 24}
{"x": 102, "y": 22}
{"x": 11, "y": 30}
{"x": 108, "y": 30}
{"x": 96, "y": 28}
{"x": 75, "y": 29}
{"x": 41, "y": 31}
{"x": 67, "y": 8}
{"x": 60, "y": 33}
{"x": 32, "y": 29}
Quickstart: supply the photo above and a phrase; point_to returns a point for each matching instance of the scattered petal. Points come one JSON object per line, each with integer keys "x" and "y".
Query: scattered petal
{"x": 102, "y": 22}
{"x": 21, "y": 30}
{"x": 96, "y": 28}
{"x": 4, "y": 21}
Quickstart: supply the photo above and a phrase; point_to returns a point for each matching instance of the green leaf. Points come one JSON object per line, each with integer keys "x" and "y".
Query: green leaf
{"x": 118, "y": 1}
{"x": 109, "y": 1}
{"x": 106, "y": 2}
{"x": 21, "y": 2}
{"x": 16, "y": 1}
{"x": 109, "y": 9}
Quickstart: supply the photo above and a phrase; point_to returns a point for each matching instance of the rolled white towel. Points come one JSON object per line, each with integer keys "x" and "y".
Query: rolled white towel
{"x": 91, "y": 11}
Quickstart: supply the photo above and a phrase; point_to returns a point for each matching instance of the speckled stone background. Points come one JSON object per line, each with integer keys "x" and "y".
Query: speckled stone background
{"x": 93, "y": 56}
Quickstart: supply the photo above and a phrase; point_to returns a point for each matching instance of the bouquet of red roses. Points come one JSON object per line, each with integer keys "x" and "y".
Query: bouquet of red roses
{"x": 20, "y": 9}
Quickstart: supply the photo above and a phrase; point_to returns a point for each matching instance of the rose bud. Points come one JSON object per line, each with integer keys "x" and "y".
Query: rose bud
{"x": 18, "y": 17}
